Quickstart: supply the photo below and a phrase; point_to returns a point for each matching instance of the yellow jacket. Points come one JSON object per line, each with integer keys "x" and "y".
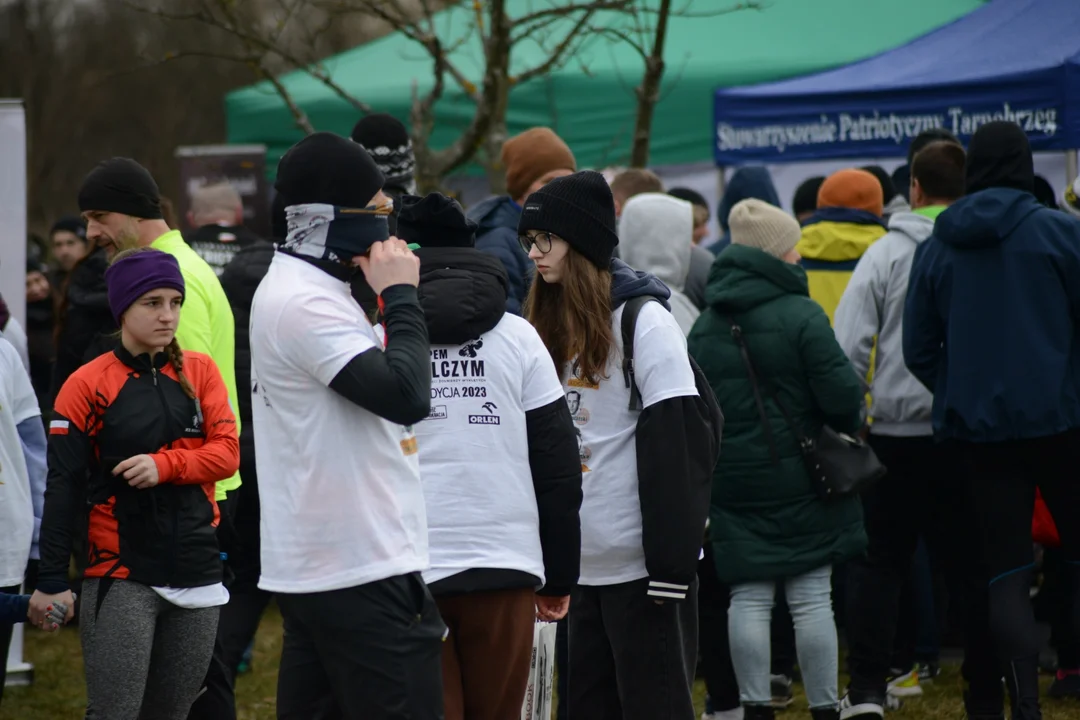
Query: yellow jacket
{"x": 832, "y": 242}
{"x": 206, "y": 324}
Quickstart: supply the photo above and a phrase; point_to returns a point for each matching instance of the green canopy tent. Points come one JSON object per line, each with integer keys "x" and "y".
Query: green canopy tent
{"x": 590, "y": 99}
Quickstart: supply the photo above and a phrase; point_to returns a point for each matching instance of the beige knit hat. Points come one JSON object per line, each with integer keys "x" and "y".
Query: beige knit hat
{"x": 755, "y": 223}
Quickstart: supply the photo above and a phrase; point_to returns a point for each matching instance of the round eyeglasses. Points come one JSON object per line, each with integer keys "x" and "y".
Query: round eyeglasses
{"x": 542, "y": 241}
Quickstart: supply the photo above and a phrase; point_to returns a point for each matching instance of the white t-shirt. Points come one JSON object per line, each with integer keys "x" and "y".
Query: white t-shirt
{"x": 611, "y": 546}
{"x": 339, "y": 486}
{"x": 474, "y": 451}
{"x": 17, "y": 403}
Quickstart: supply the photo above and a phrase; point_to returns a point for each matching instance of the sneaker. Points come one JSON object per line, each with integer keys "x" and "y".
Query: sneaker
{"x": 782, "y": 693}
{"x": 1066, "y": 685}
{"x": 905, "y": 685}
{"x": 861, "y": 707}
{"x": 927, "y": 672}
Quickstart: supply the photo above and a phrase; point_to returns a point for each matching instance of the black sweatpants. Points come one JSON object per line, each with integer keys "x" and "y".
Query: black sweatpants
{"x": 716, "y": 669}
{"x": 238, "y": 536}
{"x": 630, "y": 657}
{"x": 370, "y": 652}
{"x": 1001, "y": 487}
{"x": 5, "y": 641}
{"x": 923, "y": 494}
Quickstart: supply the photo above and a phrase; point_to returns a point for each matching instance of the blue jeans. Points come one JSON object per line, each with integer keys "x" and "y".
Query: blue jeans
{"x": 809, "y": 597}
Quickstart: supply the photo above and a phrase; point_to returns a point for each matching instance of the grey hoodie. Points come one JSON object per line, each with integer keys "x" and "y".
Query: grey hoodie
{"x": 873, "y": 306}
{"x": 655, "y": 235}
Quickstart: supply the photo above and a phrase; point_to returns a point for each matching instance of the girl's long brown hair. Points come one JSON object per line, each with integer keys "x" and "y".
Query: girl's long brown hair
{"x": 573, "y": 317}
{"x": 175, "y": 354}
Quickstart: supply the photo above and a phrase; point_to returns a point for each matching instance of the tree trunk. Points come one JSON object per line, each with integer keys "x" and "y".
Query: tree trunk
{"x": 648, "y": 93}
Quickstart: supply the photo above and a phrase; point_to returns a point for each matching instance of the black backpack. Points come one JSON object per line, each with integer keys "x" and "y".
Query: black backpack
{"x": 708, "y": 409}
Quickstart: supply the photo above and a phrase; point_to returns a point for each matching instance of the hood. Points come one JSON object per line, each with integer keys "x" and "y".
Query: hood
{"x": 626, "y": 283}
{"x": 747, "y": 182}
{"x": 985, "y": 218}
{"x": 462, "y": 291}
{"x": 745, "y": 277}
{"x": 898, "y": 204}
{"x": 86, "y": 286}
{"x": 839, "y": 234}
{"x": 495, "y": 212}
{"x": 656, "y": 232}
{"x": 911, "y": 225}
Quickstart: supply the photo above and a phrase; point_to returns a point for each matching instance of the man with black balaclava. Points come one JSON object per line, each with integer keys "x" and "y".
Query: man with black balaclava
{"x": 990, "y": 329}
{"x": 335, "y": 400}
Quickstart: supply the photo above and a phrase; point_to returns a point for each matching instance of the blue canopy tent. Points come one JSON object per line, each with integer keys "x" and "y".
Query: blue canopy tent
{"x": 1010, "y": 59}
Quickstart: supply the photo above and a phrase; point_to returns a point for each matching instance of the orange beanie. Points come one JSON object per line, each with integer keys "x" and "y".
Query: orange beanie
{"x": 855, "y": 189}
{"x": 531, "y": 155}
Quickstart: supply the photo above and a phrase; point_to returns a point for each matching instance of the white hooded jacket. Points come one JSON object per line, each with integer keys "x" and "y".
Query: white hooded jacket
{"x": 655, "y": 235}
{"x": 873, "y": 307}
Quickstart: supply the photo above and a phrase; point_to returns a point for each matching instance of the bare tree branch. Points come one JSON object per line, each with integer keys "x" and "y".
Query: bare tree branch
{"x": 559, "y": 54}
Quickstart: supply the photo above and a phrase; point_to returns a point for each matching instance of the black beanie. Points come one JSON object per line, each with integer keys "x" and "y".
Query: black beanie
{"x": 999, "y": 156}
{"x": 387, "y": 141}
{"x": 71, "y": 224}
{"x": 805, "y": 199}
{"x": 434, "y": 221}
{"x": 121, "y": 185}
{"x": 578, "y": 208}
{"x": 327, "y": 169}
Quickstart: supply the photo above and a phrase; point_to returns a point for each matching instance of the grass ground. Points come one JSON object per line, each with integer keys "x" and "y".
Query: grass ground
{"x": 58, "y": 690}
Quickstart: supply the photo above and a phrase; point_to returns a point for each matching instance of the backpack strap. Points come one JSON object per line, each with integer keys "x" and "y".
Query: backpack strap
{"x": 631, "y": 310}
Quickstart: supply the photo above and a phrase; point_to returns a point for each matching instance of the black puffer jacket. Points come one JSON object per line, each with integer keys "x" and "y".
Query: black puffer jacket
{"x": 462, "y": 292}
{"x": 239, "y": 280}
{"x": 86, "y": 325}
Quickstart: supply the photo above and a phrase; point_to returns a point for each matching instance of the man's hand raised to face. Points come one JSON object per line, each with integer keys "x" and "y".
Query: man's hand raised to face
{"x": 389, "y": 263}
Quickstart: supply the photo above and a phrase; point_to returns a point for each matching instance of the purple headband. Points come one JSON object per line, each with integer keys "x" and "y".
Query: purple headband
{"x": 131, "y": 277}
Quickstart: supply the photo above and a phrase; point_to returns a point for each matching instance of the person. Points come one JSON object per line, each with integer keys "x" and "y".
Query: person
{"x": 644, "y": 507}
{"x": 40, "y": 346}
{"x": 767, "y": 523}
{"x": 701, "y": 211}
{"x": 344, "y": 530}
{"x": 989, "y": 328}
{"x": 122, "y": 207}
{"x": 847, "y": 221}
{"x": 901, "y": 177}
{"x": 636, "y": 181}
{"x": 387, "y": 141}
{"x": 12, "y": 331}
{"x": 217, "y": 227}
{"x": 893, "y": 201}
{"x": 158, "y": 435}
{"x": 804, "y": 201}
{"x": 532, "y": 159}
{"x": 241, "y": 615}
{"x": 1044, "y": 193}
{"x": 918, "y": 498}
{"x": 753, "y": 181}
{"x": 22, "y": 483}
{"x": 656, "y": 235}
{"x": 67, "y": 239}
{"x": 502, "y": 554}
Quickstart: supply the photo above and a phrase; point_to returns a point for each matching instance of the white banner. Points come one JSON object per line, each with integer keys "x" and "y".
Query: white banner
{"x": 13, "y": 279}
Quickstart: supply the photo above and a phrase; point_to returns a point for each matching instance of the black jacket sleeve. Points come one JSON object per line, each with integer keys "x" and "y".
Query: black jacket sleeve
{"x": 394, "y": 383}
{"x": 675, "y": 487}
{"x": 65, "y": 497}
{"x": 556, "y": 473}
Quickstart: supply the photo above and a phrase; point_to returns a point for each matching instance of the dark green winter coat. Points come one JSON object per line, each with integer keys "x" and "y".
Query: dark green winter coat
{"x": 766, "y": 522}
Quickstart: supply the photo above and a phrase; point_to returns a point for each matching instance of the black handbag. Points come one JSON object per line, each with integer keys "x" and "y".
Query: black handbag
{"x": 837, "y": 463}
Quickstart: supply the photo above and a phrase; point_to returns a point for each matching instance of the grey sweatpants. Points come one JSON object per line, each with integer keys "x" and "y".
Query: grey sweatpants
{"x": 145, "y": 657}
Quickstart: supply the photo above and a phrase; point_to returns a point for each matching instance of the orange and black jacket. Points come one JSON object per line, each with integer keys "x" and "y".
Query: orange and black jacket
{"x": 113, "y": 408}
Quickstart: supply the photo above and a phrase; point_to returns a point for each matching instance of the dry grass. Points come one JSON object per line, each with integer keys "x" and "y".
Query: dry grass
{"x": 58, "y": 692}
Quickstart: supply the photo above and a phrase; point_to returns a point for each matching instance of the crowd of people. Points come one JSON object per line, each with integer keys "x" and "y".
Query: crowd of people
{"x": 421, "y": 429}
